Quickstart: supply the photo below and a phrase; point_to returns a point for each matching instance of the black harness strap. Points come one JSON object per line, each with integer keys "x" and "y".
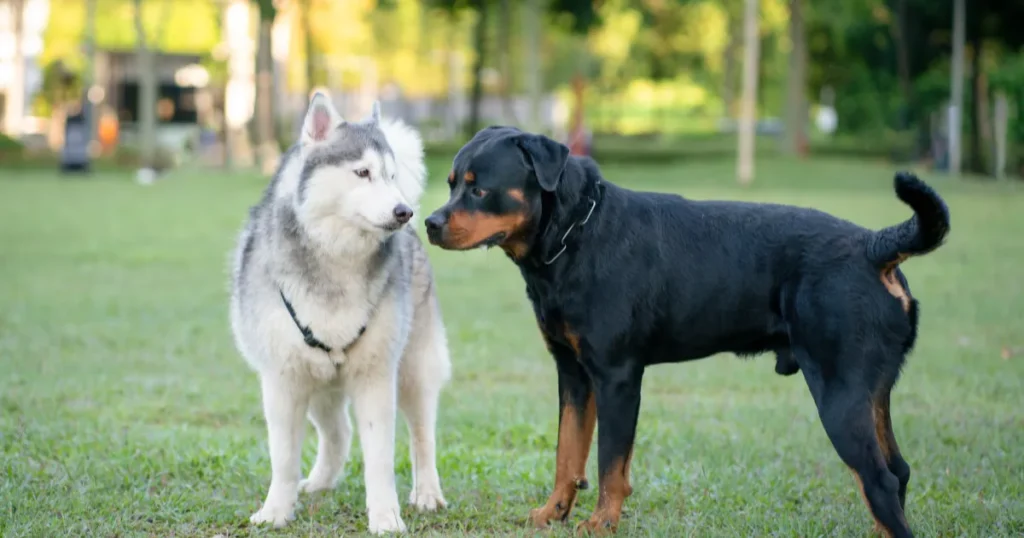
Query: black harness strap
{"x": 307, "y": 333}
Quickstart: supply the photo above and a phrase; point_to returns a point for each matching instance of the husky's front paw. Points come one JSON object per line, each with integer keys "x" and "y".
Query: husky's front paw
{"x": 278, "y": 516}
{"x": 427, "y": 499}
{"x": 386, "y": 520}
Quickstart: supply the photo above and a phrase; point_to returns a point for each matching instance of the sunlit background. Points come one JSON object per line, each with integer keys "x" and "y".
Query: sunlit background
{"x": 125, "y": 409}
{"x": 875, "y": 78}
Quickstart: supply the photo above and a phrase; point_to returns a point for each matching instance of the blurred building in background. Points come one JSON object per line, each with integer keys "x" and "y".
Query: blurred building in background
{"x": 21, "y": 74}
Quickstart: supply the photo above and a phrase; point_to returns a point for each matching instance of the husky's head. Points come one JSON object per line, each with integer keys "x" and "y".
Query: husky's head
{"x": 364, "y": 176}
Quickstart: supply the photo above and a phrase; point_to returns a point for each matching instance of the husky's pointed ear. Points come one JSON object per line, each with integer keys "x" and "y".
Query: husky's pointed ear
{"x": 375, "y": 112}
{"x": 321, "y": 119}
{"x": 546, "y": 157}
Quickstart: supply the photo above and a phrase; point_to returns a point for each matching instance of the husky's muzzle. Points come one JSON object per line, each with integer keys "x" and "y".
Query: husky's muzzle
{"x": 403, "y": 214}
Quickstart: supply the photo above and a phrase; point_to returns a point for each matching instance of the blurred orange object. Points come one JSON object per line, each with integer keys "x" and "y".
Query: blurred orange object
{"x": 107, "y": 131}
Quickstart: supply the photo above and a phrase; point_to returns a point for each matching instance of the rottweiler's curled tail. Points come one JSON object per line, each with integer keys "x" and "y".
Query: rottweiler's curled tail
{"x": 921, "y": 233}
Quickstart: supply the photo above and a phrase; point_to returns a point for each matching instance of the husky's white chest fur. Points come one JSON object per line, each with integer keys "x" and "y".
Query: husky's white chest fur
{"x": 357, "y": 319}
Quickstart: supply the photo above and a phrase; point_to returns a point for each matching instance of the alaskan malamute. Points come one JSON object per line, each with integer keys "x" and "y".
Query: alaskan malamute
{"x": 333, "y": 300}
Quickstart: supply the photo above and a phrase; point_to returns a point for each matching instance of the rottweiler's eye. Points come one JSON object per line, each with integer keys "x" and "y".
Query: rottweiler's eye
{"x": 362, "y": 172}
{"x": 478, "y": 192}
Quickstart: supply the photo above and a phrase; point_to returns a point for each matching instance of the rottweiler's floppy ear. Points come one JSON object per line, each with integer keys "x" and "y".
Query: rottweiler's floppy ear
{"x": 547, "y": 158}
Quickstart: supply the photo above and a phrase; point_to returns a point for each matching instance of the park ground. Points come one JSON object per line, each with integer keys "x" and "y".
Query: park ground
{"x": 126, "y": 411}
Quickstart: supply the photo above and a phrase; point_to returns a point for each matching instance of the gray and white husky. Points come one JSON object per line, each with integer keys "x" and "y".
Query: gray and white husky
{"x": 333, "y": 301}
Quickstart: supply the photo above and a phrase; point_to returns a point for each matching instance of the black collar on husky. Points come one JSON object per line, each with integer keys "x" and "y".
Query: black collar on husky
{"x": 307, "y": 333}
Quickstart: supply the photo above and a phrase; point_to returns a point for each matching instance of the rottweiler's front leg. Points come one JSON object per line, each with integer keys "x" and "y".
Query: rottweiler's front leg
{"x": 575, "y": 432}
{"x": 618, "y": 405}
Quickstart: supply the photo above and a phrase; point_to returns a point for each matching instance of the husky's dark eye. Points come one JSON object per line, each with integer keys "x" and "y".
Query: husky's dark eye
{"x": 363, "y": 172}
{"x": 478, "y": 192}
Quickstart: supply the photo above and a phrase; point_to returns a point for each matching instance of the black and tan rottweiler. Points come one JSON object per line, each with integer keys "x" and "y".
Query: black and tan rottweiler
{"x": 620, "y": 280}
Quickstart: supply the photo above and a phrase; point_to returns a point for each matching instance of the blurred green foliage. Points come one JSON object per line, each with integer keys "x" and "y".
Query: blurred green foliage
{"x": 667, "y": 67}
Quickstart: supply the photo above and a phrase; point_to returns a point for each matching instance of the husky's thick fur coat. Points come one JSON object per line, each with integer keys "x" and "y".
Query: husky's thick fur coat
{"x": 333, "y": 301}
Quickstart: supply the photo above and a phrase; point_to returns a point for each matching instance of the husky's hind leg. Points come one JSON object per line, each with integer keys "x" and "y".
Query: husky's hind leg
{"x": 328, "y": 410}
{"x": 419, "y": 406}
{"x": 425, "y": 369}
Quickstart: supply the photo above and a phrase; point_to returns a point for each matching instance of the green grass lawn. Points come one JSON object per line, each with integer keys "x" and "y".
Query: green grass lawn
{"x": 126, "y": 411}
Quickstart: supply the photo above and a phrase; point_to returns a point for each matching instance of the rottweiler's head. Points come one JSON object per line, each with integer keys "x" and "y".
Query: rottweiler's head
{"x": 496, "y": 184}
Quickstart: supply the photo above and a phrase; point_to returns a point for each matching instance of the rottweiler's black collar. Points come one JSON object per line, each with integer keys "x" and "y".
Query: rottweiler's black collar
{"x": 307, "y": 333}
{"x": 584, "y": 211}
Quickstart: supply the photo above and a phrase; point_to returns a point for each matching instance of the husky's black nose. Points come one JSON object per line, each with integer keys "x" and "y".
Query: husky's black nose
{"x": 403, "y": 213}
{"x": 434, "y": 222}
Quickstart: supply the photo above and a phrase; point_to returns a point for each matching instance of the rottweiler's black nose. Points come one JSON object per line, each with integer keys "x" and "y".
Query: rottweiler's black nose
{"x": 434, "y": 223}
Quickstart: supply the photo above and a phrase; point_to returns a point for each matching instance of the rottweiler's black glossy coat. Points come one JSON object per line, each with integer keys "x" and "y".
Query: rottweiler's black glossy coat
{"x": 620, "y": 280}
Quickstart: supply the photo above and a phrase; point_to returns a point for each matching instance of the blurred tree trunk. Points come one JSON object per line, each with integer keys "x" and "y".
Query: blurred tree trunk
{"x": 532, "y": 20}
{"x": 90, "y": 70}
{"x": 455, "y": 96}
{"x": 264, "y": 113}
{"x": 238, "y": 108}
{"x": 305, "y": 18}
{"x": 980, "y": 126}
{"x": 898, "y": 29}
{"x": 748, "y": 105}
{"x": 480, "y": 45}
{"x": 14, "y": 108}
{"x": 505, "y": 40}
{"x": 732, "y": 46}
{"x": 762, "y": 69}
{"x": 957, "y": 84}
{"x": 147, "y": 76}
{"x": 795, "y": 140}
{"x": 1001, "y": 126}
